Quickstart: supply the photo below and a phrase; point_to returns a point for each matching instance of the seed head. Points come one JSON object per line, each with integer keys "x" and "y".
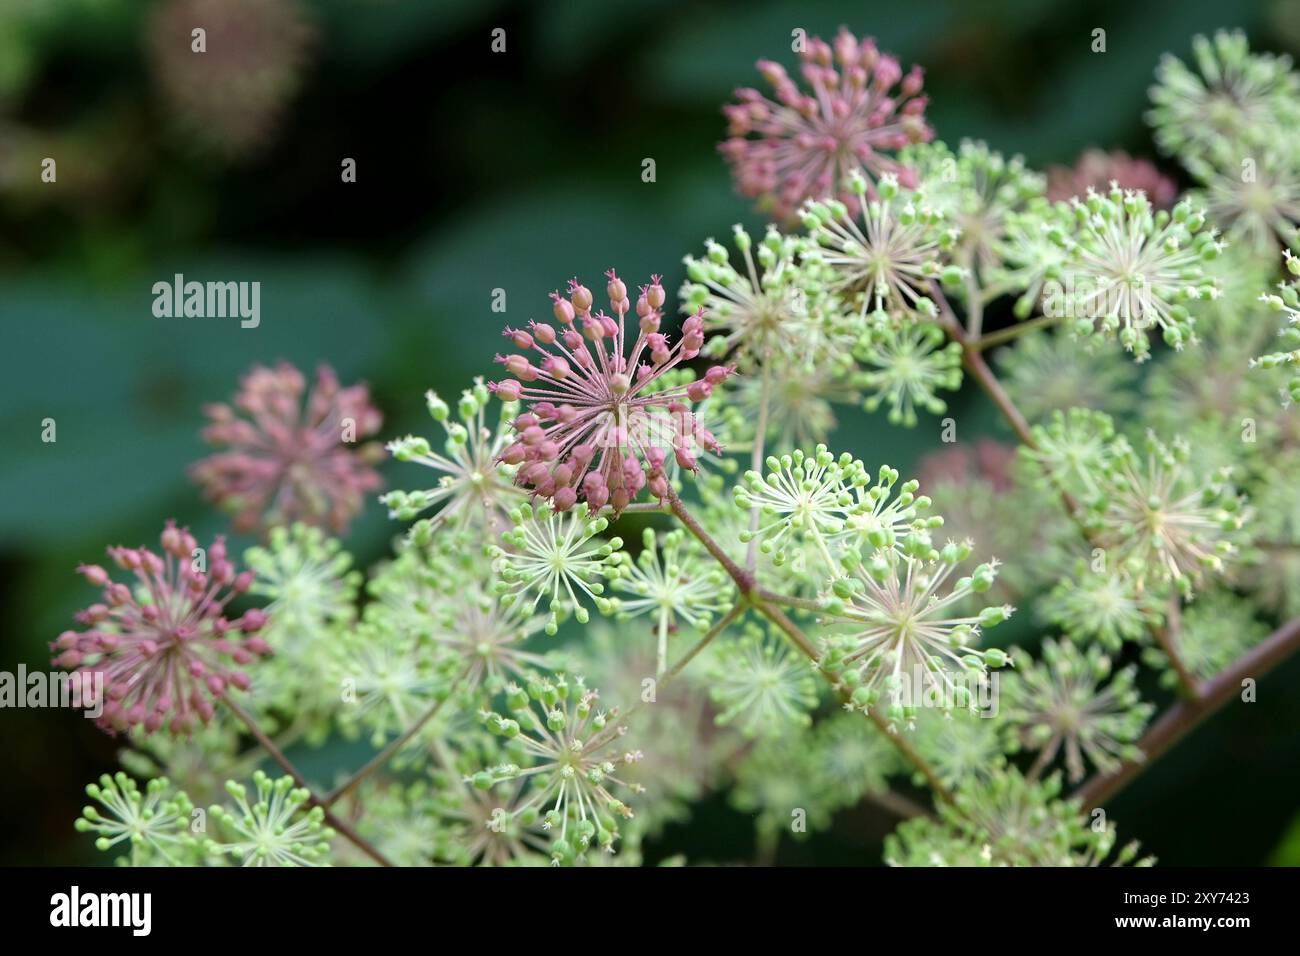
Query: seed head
{"x": 802, "y": 145}
{"x": 284, "y": 460}
{"x": 163, "y": 645}
{"x": 597, "y": 427}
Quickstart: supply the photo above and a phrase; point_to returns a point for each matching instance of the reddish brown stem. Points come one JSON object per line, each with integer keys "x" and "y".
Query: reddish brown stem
{"x": 1182, "y": 717}
{"x": 744, "y": 580}
{"x": 380, "y": 759}
{"x": 760, "y": 602}
{"x": 342, "y": 826}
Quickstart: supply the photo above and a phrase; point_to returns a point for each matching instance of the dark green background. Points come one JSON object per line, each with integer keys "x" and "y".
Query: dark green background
{"x": 477, "y": 171}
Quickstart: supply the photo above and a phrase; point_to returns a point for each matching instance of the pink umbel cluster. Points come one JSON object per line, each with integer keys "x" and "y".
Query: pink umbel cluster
{"x": 286, "y": 461}
{"x": 803, "y": 145}
{"x": 1097, "y": 170}
{"x": 601, "y": 419}
{"x": 164, "y": 647}
{"x": 987, "y": 461}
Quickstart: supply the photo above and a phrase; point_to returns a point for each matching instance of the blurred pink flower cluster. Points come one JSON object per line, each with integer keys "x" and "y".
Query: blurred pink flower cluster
{"x": 283, "y": 460}
{"x": 802, "y": 145}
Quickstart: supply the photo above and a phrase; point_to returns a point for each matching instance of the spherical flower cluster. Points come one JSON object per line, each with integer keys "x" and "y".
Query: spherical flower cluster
{"x": 776, "y": 305}
{"x": 1034, "y": 254}
{"x": 308, "y": 579}
{"x": 989, "y": 498}
{"x": 958, "y": 746}
{"x": 905, "y": 366}
{"x": 760, "y": 685}
{"x": 558, "y": 557}
{"x": 1255, "y": 199}
{"x": 1062, "y": 705}
{"x": 154, "y": 824}
{"x": 474, "y": 490}
{"x": 824, "y": 500}
{"x": 1104, "y": 606}
{"x": 385, "y": 678}
{"x": 1213, "y": 631}
{"x": 165, "y": 649}
{"x": 849, "y": 758}
{"x": 1008, "y": 820}
{"x": 1162, "y": 522}
{"x": 816, "y": 772}
{"x": 775, "y": 787}
{"x": 489, "y": 827}
{"x": 1071, "y": 448}
{"x": 1053, "y": 371}
{"x": 1206, "y": 392}
{"x": 976, "y": 189}
{"x": 1273, "y": 581}
{"x": 597, "y": 428}
{"x": 1287, "y": 301}
{"x": 485, "y": 636}
{"x": 896, "y": 642}
{"x": 312, "y": 587}
{"x": 794, "y": 398}
{"x": 231, "y": 96}
{"x": 275, "y": 829}
{"x": 285, "y": 461}
{"x": 1132, "y": 270}
{"x": 686, "y": 751}
{"x": 804, "y": 146}
{"x": 671, "y": 580}
{"x": 883, "y": 269}
{"x": 1233, "y": 98}
{"x": 479, "y": 629}
{"x": 572, "y": 761}
{"x": 401, "y": 822}
{"x": 1241, "y": 273}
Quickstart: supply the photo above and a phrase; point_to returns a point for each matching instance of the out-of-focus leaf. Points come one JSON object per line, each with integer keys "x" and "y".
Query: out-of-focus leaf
{"x": 530, "y": 246}
{"x": 1287, "y": 852}
{"x": 369, "y": 33}
{"x": 126, "y": 389}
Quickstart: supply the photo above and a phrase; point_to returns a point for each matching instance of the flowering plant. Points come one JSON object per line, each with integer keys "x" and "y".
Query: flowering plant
{"x": 643, "y": 572}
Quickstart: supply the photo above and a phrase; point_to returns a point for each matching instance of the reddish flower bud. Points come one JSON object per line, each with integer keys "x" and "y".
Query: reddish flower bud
{"x": 508, "y": 390}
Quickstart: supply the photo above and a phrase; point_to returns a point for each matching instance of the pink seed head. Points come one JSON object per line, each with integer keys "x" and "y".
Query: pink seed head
{"x": 163, "y": 658}
{"x": 792, "y": 147}
{"x": 596, "y": 410}
{"x": 287, "y": 452}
